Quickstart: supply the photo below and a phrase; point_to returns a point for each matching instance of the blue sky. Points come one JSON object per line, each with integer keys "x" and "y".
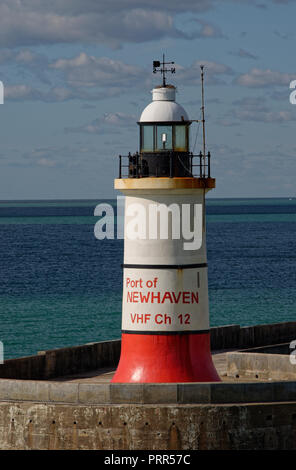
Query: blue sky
{"x": 78, "y": 73}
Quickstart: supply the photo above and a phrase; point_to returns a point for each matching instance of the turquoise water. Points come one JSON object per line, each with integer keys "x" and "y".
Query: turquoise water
{"x": 59, "y": 286}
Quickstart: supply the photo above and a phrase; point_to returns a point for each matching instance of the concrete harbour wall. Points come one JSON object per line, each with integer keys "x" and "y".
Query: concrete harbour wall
{"x": 260, "y": 366}
{"x": 59, "y": 362}
{"x": 72, "y": 360}
{"x": 234, "y": 336}
{"x": 38, "y": 411}
{"x": 153, "y": 427}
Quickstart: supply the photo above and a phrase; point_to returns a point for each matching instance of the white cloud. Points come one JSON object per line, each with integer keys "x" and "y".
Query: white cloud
{"x": 90, "y": 71}
{"x": 105, "y": 124}
{"x": 255, "y": 109}
{"x": 86, "y": 77}
{"x": 25, "y": 57}
{"x": 266, "y": 116}
{"x": 243, "y": 54}
{"x": 23, "y": 92}
{"x": 214, "y": 73}
{"x": 207, "y": 30}
{"x": 19, "y": 92}
{"x": 80, "y": 77}
{"x": 111, "y": 22}
{"x": 258, "y": 78}
{"x": 227, "y": 122}
{"x": 54, "y": 156}
{"x": 46, "y": 162}
{"x": 284, "y": 36}
{"x": 35, "y": 22}
{"x": 257, "y": 102}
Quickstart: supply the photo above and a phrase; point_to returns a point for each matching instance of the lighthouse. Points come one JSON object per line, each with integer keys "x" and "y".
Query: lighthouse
{"x": 165, "y": 312}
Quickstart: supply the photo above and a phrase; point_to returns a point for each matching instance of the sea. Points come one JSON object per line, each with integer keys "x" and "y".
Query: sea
{"x": 60, "y": 286}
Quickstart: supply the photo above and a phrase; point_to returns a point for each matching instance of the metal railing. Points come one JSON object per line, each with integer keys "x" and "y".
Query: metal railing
{"x": 204, "y": 165}
{"x": 136, "y": 169}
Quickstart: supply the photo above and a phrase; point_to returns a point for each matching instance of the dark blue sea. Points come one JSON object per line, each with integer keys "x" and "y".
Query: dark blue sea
{"x": 60, "y": 286}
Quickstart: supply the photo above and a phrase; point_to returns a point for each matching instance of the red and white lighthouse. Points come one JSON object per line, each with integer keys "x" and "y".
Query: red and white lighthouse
{"x": 165, "y": 314}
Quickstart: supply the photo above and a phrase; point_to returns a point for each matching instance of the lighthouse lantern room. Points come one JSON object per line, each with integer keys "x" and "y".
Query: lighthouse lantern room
{"x": 165, "y": 315}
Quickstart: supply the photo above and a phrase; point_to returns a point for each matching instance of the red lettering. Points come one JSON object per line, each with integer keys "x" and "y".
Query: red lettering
{"x": 157, "y": 296}
{"x": 144, "y": 298}
{"x": 185, "y": 297}
{"x": 133, "y": 317}
{"x": 194, "y": 297}
{"x": 167, "y": 319}
{"x": 156, "y": 318}
{"x": 176, "y": 299}
{"x": 187, "y": 319}
{"x": 140, "y": 318}
{"x": 167, "y": 295}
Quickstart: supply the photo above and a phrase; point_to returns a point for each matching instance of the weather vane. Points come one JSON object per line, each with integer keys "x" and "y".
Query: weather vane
{"x": 163, "y": 70}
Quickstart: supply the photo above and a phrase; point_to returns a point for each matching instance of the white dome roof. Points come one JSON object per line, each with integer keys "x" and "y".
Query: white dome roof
{"x": 163, "y": 107}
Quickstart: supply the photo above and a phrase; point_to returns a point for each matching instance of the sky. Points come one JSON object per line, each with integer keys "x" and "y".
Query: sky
{"x": 78, "y": 73}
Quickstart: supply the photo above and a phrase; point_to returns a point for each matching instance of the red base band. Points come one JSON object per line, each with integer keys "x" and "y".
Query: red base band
{"x": 165, "y": 358}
